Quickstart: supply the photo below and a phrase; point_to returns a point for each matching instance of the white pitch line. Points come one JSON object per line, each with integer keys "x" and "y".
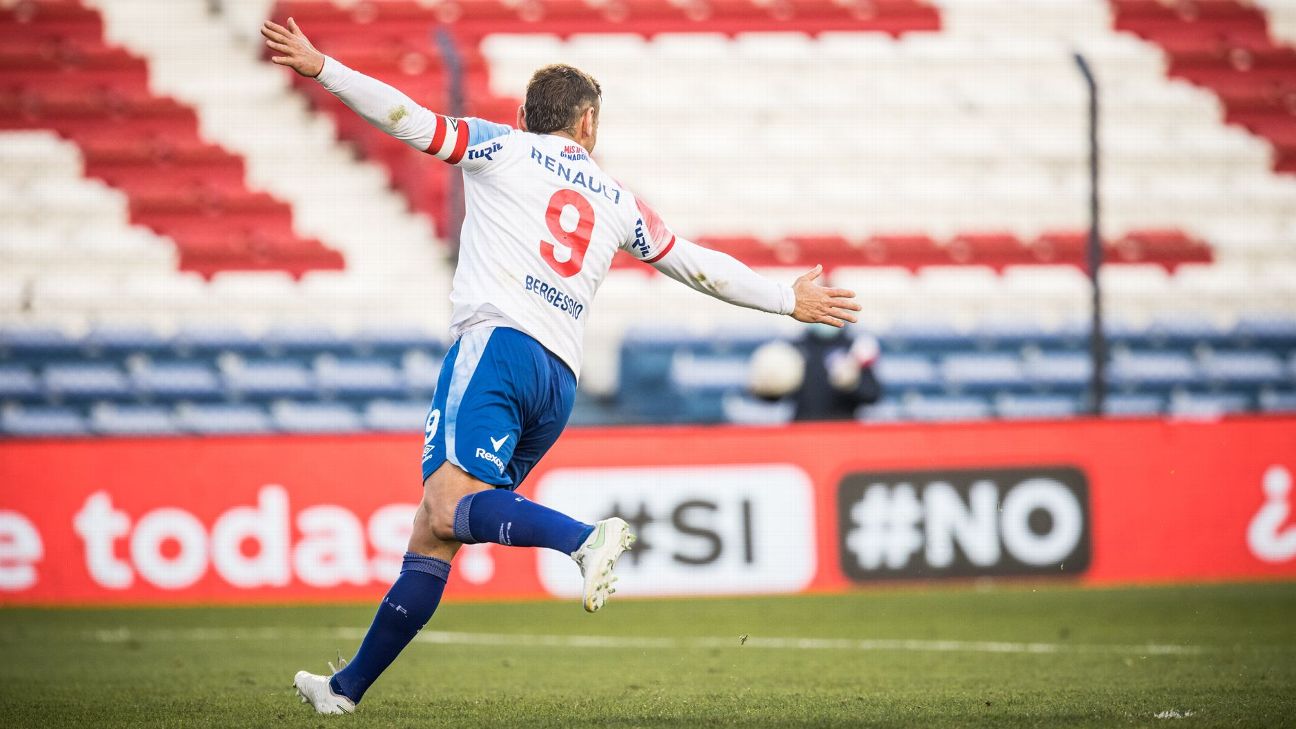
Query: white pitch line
{"x": 531, "y": 640}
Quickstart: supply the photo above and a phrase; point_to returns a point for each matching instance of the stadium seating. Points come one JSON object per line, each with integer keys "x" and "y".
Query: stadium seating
{"x": 118, "y": 381}
{"x": 931, "y": 155}
{"x": 137, "y": 420}
{"x": 1036, "y": 407}
{"x": 932, "y": 372}
{"x": 60, "y": 75}
{"x": 42, "y": 421}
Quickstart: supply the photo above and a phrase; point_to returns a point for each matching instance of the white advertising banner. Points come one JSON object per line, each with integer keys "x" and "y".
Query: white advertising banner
{"x": 702, "y": 530}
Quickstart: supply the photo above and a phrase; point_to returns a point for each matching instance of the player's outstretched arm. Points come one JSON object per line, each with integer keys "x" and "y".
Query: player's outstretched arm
{"x": 728, "y": 279}
{"x": 381, "y": 105}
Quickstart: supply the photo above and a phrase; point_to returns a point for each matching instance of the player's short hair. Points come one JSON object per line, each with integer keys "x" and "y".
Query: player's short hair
{"x": 556, "y": 97}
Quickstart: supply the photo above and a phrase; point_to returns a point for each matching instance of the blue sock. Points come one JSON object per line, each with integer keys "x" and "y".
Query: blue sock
{"x": 503, "y": 517}
{"x": 404, "y": 611}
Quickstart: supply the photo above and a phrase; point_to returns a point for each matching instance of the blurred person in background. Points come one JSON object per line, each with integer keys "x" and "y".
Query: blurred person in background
{"x": 827, "y": 374}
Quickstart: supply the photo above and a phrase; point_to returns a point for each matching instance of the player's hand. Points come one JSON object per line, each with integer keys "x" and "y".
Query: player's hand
{"x": 819, "y": 304}
{"x": 295, "y": 49}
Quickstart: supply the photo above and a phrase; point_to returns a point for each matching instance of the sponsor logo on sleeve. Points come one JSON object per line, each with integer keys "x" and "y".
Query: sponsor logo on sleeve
{"x": 640, "y": 245}
{"x": 485, "y": 153}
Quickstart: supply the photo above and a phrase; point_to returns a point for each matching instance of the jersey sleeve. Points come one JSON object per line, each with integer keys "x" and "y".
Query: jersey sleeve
{"x": 472, "y": 144}
{"x": 650, "y": 239}
{"x": 724, "y": 277}
{"x": 469, "y": 143}
{"x": 711, "y": 272}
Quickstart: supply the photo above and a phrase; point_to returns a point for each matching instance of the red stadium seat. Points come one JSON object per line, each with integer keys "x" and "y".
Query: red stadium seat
{"x": 995, "y": 250}
{"x": 50, "y": 20}
{"x": 476, "y": 11}
{"x": 652, "y": 12}
{"x": 54, "y": 11}
{"x": 1226, "y": 53}
{"x": 393, "y": 11}
{"x": 1167, "y": 247}
{"x": 828, "y": 246}
{"x": 255, "y": 251}
{"x": 733, "y": 10}
{"x": 15, "y": 58}
{"x": 809, "y": 250}
{"x": 1062, "y": 247}
{"x": 471, "y": 19}
{"x": 1065, "y": 247}
{"x": 1152, "y": 18}
{"x": 737, "y": 245}
{"x": 911, "y": 251}
{"x": 346, "y": 34}
{"x": 314, "y": 11}
{"x": 391, "y": 60}
{"x": 559, "y": 10}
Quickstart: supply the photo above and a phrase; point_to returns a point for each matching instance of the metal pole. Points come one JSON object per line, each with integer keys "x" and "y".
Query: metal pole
{"x": 1097, "y": 339}
{"x": 454, "y": 209}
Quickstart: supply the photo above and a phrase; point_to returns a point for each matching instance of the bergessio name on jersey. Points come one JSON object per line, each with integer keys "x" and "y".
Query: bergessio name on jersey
{"x": 576, "y": 177}
{"x": 555, "y": 296}
{"x": 486, "y": 152}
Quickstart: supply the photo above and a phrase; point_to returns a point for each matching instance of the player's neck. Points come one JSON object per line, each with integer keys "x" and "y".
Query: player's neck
{"x": 566, "y": 135}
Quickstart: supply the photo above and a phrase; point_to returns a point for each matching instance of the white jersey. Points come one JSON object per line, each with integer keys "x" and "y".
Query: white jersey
{"x": 542, "y": 223}
{"x": 541, "y": 226}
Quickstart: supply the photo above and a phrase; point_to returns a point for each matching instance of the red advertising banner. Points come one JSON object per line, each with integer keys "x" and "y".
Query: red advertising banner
{"x": 718, "y": 510}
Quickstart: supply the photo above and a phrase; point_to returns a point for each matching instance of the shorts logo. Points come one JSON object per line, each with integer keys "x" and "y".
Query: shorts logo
{"x": 497, "y": 443}
{"x": 574, "y": 152}
{"x": 483, "y": 453}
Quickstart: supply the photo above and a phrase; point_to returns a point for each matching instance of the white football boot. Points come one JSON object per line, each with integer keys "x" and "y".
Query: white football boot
{"x": 315, "y": 690}
{"x": 598, "y": 555}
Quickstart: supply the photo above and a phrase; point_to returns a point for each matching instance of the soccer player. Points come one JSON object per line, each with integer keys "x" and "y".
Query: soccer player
{"x": 541, "y": 226}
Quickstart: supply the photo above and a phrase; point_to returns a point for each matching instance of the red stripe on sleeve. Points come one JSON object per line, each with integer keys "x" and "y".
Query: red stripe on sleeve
{"x": 461, "y": 144}
{"x": 438, "y": 136}
{"x": 664, "y": 251}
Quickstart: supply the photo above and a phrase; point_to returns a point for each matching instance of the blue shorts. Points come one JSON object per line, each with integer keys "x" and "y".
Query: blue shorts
{"x": 500, "y": 403}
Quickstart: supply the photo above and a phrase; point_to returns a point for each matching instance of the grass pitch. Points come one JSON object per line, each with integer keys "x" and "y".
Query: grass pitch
{"x": 1003, "y": 657}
